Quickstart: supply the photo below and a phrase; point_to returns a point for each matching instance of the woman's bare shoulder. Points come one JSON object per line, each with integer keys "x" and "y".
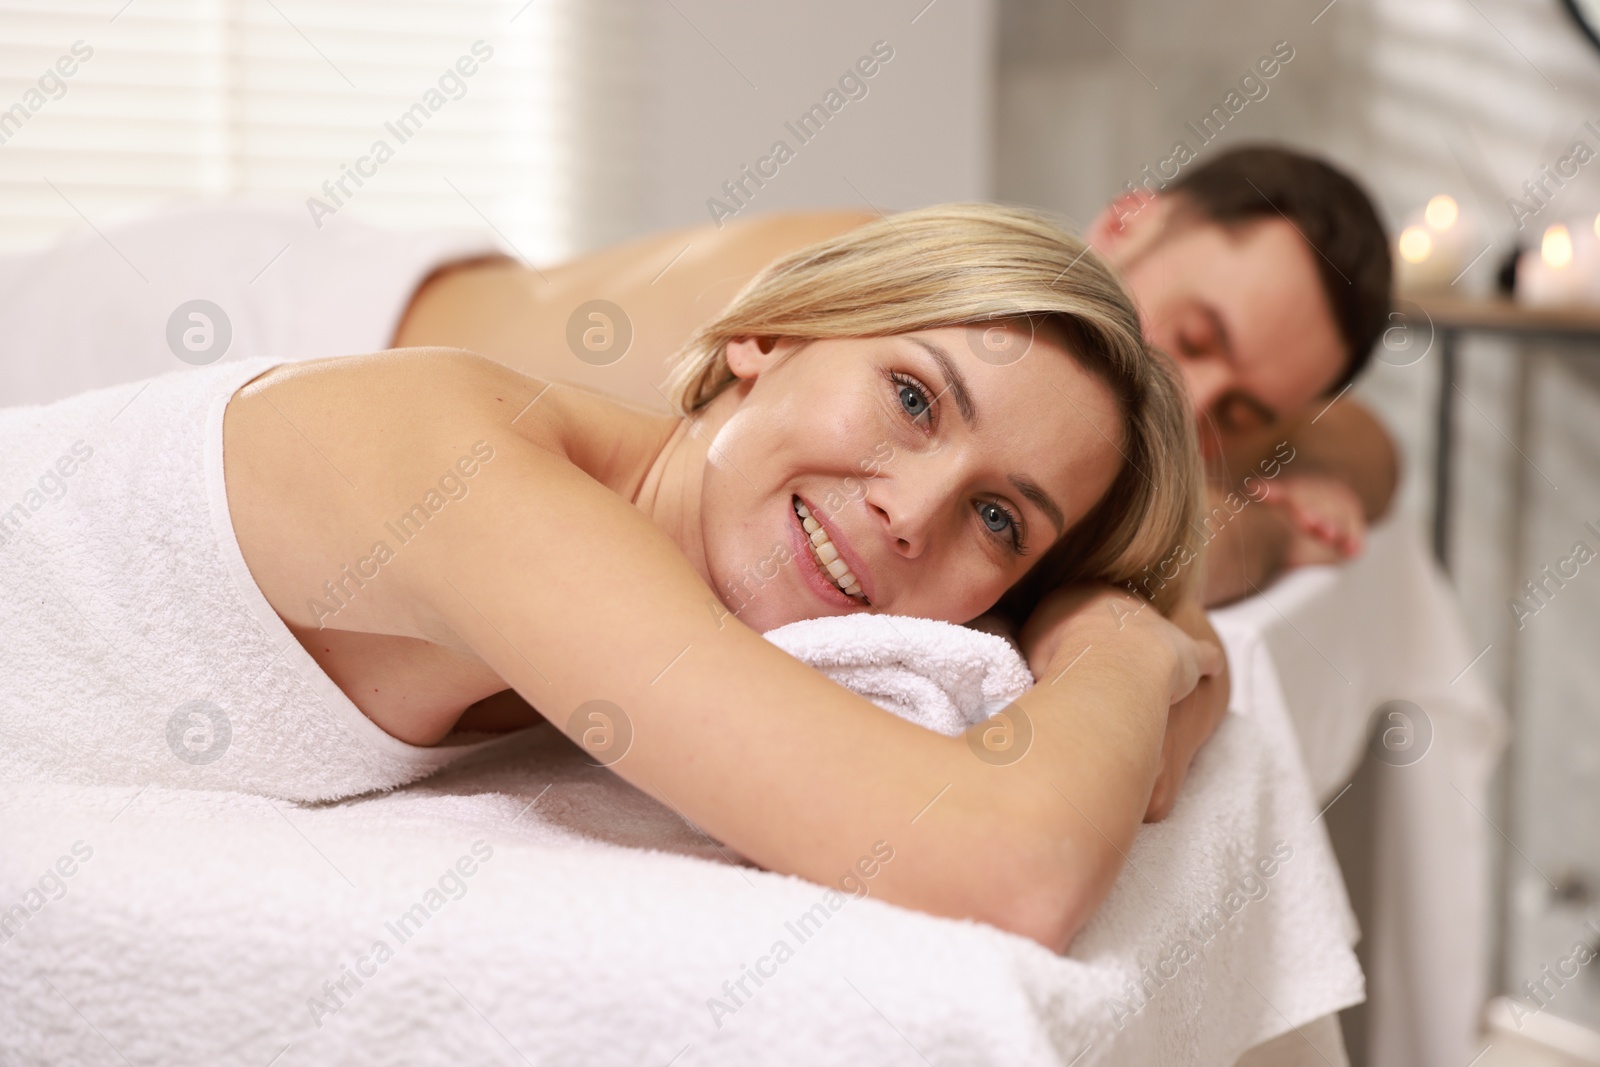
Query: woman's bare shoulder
{"x": 366, "y": 392}
{"x": 318, "y": 456}
{"x": 400, "y": 409}
{"x": 325, "y": 458}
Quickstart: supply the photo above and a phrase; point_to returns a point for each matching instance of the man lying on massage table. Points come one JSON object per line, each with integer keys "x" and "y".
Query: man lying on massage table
{"x": 1264, "y": 272}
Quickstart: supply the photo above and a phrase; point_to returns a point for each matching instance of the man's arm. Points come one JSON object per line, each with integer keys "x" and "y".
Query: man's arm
{"x": 1311, "y": 508}
{"x": 1247, "y": 549}
{"x": 1346, "y": 442}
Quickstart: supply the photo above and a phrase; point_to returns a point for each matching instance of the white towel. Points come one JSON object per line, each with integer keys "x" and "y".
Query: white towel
{"x": 138, "y": 648}
{"x": 935, "y": 674}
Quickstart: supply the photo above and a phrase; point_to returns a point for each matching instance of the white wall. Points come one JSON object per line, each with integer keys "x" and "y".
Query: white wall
{"x": 729, "y": 75}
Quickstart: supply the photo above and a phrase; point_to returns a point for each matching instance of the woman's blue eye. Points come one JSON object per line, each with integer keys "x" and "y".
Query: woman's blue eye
{"x": 913, "y": 401}
{"x": 914, "y": 398}
{"x": 997, "y": 519}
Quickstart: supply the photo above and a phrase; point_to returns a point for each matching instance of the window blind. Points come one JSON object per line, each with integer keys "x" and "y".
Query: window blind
{"x": 513, "y": 114}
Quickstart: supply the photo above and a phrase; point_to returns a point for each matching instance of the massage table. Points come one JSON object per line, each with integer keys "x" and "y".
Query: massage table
{"x": 601, "y": 927}
{"x": 531, "y": 906}
{"x": 1374, "y": 657}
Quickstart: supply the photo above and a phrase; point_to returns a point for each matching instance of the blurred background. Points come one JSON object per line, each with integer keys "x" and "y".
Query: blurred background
{"x": 592, "y": 121}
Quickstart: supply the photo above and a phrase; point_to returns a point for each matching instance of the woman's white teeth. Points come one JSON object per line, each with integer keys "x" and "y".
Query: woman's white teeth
{"x": 827, "y": 555}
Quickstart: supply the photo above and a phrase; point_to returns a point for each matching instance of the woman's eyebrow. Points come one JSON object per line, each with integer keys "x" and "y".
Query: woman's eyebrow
{"x": 955, "y": 383}
{"x": 1032, "y": 490}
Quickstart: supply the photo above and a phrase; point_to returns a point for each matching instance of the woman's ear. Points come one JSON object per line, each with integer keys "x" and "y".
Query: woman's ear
{"x": 750, "y": 356}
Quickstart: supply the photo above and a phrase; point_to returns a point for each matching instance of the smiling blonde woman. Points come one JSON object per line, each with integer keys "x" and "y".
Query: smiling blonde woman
{"x": 366, "y": 562}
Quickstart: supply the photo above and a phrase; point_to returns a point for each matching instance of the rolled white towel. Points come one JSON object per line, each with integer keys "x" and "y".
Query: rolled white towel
{"x": 935, "y": 674}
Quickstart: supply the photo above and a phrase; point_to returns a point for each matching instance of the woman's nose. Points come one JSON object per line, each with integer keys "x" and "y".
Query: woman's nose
{"x": 906, "y": 516}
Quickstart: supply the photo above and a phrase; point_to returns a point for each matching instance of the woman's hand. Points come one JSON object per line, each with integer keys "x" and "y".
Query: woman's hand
{"x": 1192, "y": 720}
{"x": 1074, "y": 618}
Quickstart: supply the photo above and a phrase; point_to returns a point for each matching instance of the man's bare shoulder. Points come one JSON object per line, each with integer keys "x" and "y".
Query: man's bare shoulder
{"x": 797, "y": 228}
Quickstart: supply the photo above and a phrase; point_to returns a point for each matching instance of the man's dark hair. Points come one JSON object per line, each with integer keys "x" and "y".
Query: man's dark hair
{"x": 1333, "y": 214}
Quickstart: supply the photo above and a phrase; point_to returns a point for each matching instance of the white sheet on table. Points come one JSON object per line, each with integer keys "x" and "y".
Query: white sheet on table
{"x": 1345, "y": 641}
{"x": 92, "y": 310}
{"x": 204, "y": 922}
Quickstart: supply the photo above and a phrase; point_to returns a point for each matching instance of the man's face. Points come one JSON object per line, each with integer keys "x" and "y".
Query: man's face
{"x": 1241, "y": 311}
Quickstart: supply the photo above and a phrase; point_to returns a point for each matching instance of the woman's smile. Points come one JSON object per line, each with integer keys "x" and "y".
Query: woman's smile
{"x": 828, "y": 560}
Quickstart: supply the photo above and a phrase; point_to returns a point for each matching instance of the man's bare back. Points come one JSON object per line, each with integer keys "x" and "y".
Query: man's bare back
{"x": 666, "y": 285}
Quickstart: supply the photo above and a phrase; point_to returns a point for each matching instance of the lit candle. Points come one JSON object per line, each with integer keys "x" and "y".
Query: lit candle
{"x": 1564, "y": 269}
{"x": 1415, "y": 244}
{"x": 1441, "y": 212}
{"x": 1435, "y": 246}
{"x": 1556, "y": 248}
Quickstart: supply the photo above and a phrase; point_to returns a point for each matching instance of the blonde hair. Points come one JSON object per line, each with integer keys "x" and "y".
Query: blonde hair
{"x": 984, "y": 264}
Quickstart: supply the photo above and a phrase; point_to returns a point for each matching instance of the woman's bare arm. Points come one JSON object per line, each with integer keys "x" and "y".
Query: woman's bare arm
{"x": 1190, "y": 721}
{"x": 570, "y": 594}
